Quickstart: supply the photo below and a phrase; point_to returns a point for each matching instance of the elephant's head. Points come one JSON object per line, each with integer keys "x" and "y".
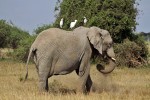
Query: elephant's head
{"x": 101, "y": 40}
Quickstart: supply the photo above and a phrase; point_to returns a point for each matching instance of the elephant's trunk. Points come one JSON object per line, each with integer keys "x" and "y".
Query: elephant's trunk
{"x": 111, "y": 65}
{"x": 108, "y": 68}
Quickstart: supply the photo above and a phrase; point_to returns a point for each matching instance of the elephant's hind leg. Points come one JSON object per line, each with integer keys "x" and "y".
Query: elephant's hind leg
{"x": 44, "y": 70}
{"x": 43, "y": 85}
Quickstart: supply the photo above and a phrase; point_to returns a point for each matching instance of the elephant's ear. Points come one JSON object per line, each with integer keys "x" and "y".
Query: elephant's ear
{"x": 95, "y": 38}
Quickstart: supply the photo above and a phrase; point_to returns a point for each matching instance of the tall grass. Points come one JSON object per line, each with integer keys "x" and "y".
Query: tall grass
{"x": 121, "y": 84}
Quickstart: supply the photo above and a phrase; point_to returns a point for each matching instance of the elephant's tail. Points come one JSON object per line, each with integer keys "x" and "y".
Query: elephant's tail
{"x": 29, "y": 56}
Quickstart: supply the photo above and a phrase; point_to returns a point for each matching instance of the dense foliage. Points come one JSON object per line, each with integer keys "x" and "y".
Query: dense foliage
{"x": 41, "y": 28}
{"x": 4, "y": 33}
{"x": 15, "y": 38}
{"x": 117, "y": 16}
{"x": 21, "y": 53}
{"x": 10, "y": 35}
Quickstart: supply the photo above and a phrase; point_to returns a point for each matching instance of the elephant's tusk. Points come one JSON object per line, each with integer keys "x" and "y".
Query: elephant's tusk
{"x": 113, "y": 59}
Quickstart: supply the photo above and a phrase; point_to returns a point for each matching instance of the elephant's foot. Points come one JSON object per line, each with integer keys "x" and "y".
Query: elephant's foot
{"x": 89, "y": 84}
{"x": 43, "y": 86}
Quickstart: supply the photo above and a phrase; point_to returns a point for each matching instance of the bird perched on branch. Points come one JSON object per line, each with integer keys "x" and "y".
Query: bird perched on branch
{"x": 61, "y": 23}
{"x": 85, "y": 20}
{"x": 72, "y": 24}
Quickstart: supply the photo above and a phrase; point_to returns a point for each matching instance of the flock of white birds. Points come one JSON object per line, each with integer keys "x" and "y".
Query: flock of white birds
{"x": 72, "y": 24}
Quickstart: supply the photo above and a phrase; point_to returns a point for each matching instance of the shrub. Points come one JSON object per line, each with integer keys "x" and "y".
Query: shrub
{"x": 10, "y": 35}
{"x": 4, "y": 33}
{"x": 16, "y": 35}
{"x": 131, "y": 53}
{"x": 21, "y": 53}
{"x": 43, "y": 27}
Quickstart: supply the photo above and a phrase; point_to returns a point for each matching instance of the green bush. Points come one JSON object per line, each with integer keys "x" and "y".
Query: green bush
{"x": 21, "y": 53}
{"x": 131, "y": 53}
{"x": 16, "y": 35}
{"x": 4, "y": 33}
{"x": 10, "y": 35}
{"x": 42, "y": 28}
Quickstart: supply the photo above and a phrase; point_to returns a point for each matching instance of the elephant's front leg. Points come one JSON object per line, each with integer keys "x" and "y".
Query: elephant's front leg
{"x": 81, "y": 88}
{"x": 89, "y": 84}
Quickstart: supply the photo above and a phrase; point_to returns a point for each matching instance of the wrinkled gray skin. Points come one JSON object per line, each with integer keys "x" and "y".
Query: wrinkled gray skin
{"x": 100, "y": 40}
{"x": 59, "y": 52}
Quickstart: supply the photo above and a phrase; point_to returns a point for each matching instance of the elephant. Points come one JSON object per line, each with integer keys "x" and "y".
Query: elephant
{"x": 59, "y": 52}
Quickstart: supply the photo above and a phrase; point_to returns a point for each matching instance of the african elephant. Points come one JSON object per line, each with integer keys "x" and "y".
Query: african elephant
{"x": 59, "y": 52}
{"x": 100, "y": 40}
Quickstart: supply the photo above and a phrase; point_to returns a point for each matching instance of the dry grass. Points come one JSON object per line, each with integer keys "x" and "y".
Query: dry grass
{"x": 122, "y": 84}
{"x": 5, "y": 53}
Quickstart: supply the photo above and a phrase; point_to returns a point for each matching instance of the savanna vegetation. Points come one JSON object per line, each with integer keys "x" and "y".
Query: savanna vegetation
{"x": 121, "y": 84}
{"x": 15, "y": 39}
{"x": 118, "y": 17}
{"x": 129, "y": 81}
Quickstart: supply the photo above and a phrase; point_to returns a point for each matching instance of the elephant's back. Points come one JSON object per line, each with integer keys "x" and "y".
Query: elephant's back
{"x": 53, "y": 36}
{"x": 48, "y": 36}
{"x": 51, "y": 33}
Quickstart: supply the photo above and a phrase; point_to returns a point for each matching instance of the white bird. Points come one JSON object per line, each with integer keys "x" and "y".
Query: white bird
{"x": 72, "y": 24}
{"x": 85, "y": 20}
{"x": 61, "y": 23}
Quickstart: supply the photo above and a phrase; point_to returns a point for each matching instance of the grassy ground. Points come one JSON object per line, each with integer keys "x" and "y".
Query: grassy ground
{"x": 121, "y": 84}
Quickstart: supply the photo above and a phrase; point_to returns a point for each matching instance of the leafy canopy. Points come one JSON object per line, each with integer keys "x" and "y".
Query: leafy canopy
{"x": 116, "y": 16}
